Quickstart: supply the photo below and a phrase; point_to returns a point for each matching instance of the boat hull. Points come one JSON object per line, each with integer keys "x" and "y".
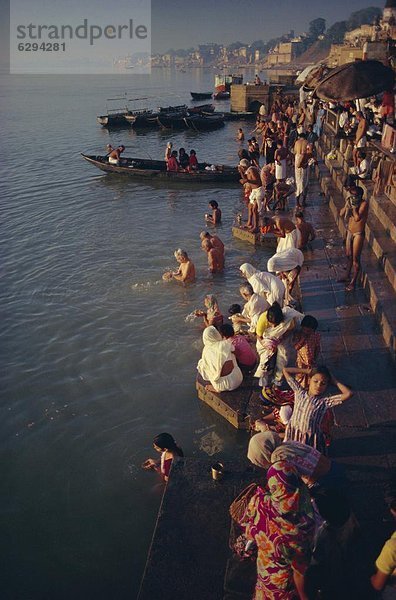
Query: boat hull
{"x": 156, "y": 170}
{"x": 201, "y": 95}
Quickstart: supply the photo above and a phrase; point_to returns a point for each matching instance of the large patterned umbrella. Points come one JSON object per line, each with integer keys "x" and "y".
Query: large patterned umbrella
{"x": 360, "y": 79}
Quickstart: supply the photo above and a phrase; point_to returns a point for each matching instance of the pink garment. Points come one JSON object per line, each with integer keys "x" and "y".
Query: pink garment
{"x": 244, "y": 353}
{"x": 165, "y": 465}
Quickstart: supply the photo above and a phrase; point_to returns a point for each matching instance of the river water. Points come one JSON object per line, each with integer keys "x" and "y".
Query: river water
{"x": 97, "y": 355}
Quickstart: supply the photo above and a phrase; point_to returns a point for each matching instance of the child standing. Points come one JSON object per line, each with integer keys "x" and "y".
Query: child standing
{"x": 307, "y": 344}
{"x": 310, "y": 405}
{"x": 166, "y": 445}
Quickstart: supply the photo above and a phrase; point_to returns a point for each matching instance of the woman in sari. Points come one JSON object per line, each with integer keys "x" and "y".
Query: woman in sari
{"x": 212, "y": 315}
{"x": 280, "y": 519}
{"x": 265, "y": 284}
{"x": 274, "y": 331}
{"x": 218, "y": 363}
{"x": 266, "y": 448}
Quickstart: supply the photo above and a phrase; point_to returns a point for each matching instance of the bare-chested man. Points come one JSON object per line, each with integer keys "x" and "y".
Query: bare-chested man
{"x": 253, "y": 186}
{"x": 214, "y": 239}
{"x": 215, "y": 257}
{"x": 186, "y": 270}
{"x": 306, "y": 230}
{"x": 355, "y": 213}
{"x": 285, "y": 230}
{"x": 115, "y": 154}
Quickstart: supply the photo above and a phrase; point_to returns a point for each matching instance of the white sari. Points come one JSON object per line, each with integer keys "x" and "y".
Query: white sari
{"x": 215, "y": 354}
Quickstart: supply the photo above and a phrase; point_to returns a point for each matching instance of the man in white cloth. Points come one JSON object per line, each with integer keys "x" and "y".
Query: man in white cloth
{"x": 285, "y": 230}
{"x": 287, "y": 264}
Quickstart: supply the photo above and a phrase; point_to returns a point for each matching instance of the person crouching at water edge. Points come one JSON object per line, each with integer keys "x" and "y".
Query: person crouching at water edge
{"x": 274, "y": 332}
{"x": 212, "y": 315}
{"x": 217, "y": 366}
{"x": 266, "y": 285}
{"x": 166, "y": 445}
{"x": 115, "y": 153}
{"x": 186, "y": 270}
{"x": 284, "y": 229}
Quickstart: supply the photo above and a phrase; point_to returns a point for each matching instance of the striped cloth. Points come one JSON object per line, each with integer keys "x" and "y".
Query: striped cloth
{"x": 308, "y": 413}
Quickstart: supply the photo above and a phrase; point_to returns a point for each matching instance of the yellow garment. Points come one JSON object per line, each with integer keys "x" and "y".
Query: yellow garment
{"x": 262, "y": 324}
{"x": 386, "y": 562}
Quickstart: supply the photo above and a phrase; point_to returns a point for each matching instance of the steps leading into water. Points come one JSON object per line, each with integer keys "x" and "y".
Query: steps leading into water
{"x": 379, "y": 253}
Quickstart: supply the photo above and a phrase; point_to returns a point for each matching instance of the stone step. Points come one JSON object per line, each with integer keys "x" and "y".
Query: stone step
{"x": 377, "y": 259}
{"x": 380, "y": 229}
{"x": 383, "y": 248}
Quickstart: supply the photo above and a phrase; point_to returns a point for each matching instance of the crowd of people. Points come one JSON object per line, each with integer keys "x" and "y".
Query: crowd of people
{"x": 176, "y": 162}
{"x": 296, "y": 526}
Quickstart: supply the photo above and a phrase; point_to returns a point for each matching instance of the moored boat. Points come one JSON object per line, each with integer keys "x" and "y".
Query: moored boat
{"x": 141, "y": 168}
{"x": 204, "y": 122}
{"x": 198, "y": 122}
{"x": 142, "y": 118}
{"x": 222, "y": 95}
{"x": 201, "y": 95}
{"x": 201, "y": 108}
{"x": 113, "y": 119}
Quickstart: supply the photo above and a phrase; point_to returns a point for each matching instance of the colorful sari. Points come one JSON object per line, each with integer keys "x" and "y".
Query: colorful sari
{"x": 280, "y": 520}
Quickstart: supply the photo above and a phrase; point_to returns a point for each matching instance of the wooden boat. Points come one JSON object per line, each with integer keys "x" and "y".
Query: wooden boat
{"x": 142, "y": 118}
{"x": 222, "y": 95}
{"x": 141, "y": 168}
{"x": 201, "y": 109}
{"x": 204, "y": 122}
{"x": 173, "y": 109}
{"x": 198, "y": 122}
{"x": 113, "y": 119}
{"x": 201, "y": 95}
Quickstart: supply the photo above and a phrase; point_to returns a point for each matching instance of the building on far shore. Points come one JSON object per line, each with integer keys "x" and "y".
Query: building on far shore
{"x": 367, "y": 41}
{"x": 285, "y": 53}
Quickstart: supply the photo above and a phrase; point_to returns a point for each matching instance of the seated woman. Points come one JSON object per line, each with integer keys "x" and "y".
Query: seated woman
{"x": 213, "y": 315}
{"x": 218, "y": 364}
{"x": 244, "y": 353}
{"x": 266, "y": 448}
{"x": 254, "y": 307}
{"x": 193, "y": 161}
{"x": 183, "y": 158}
{"x": 280, "y": 519}
{"x": 165, "y": 444}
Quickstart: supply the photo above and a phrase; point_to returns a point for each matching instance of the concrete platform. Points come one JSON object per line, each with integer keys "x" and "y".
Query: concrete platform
{"x": 240, "y": 407}
{"x": 189, "y": 552}
{"x": 256, "y": 239}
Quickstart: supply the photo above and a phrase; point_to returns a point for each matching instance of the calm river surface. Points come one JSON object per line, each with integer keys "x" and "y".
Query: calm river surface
{"x": 97, "y": 356}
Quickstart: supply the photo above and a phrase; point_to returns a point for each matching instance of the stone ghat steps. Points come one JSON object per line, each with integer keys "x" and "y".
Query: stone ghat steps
{"x": 377, "y": 260}
{"x": 380, "y": 231}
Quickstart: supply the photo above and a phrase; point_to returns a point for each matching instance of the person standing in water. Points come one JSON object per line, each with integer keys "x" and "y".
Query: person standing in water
{"x": 166, "y": 445}
{"x": 186, "y": 270}
{"x": 215, "y": 217}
